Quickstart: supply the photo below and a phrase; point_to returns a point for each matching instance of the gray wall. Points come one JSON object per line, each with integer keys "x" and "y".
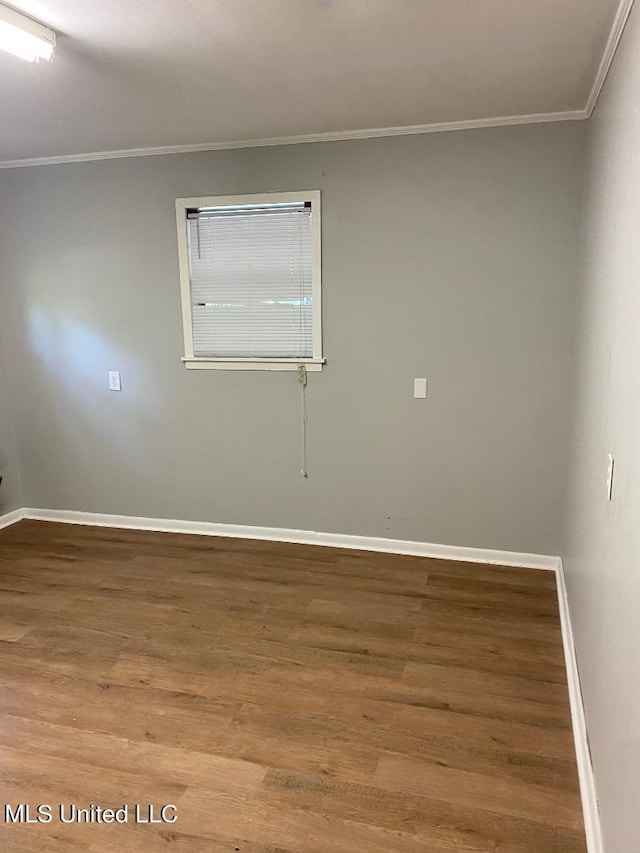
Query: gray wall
{"x": 451, "y": 256}
{"x": 10, "y": 497}
{"x": 602, "y": 549}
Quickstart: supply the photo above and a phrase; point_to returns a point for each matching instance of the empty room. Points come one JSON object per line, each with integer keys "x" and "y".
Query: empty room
{"x": 319, "y": 426}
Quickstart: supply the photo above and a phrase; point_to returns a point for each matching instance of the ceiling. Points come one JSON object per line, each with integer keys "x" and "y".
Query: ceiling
{"x": 137, "y": 74}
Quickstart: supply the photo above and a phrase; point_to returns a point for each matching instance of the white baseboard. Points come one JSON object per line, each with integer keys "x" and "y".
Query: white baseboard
{"x": 304, "y": 537}
{"x": 10, "y": 518}
{"x": 579, "y": 725}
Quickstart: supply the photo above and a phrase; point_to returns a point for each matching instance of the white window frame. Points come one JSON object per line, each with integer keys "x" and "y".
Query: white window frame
{"x": 206, "y": 363}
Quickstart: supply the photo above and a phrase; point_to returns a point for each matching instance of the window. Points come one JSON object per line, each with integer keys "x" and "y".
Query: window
{"x": 250, "y": 275}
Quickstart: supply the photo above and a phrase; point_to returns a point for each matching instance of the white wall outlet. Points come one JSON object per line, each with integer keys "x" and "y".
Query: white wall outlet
{"x": 420, "y": 389}
{"x": 610, "y": 468}
{"x": 114, "y": 380}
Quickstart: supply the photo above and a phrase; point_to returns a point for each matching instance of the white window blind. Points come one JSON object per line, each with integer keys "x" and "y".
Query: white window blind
{"x": 250, "y": 270}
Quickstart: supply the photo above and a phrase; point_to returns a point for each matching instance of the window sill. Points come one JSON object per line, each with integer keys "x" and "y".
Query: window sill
{"x": 194, "y": 363}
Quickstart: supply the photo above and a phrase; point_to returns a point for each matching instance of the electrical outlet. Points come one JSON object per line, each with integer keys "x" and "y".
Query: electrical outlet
{"x": 114, "y": 380}
{"x": 420, "y": 389}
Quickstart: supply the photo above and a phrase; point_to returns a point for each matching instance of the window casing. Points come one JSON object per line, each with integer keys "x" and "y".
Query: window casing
{"x": 250, "y": 277}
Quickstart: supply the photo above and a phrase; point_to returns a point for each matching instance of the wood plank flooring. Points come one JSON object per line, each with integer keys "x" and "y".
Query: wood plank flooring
{"x": 286, "y": 698}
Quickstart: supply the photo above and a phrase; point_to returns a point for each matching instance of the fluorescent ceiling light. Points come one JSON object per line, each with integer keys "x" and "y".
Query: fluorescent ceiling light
{"x": 24, "y": 37}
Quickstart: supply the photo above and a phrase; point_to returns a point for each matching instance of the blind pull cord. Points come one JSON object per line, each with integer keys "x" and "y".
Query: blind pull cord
{"x": 302, "y": 382}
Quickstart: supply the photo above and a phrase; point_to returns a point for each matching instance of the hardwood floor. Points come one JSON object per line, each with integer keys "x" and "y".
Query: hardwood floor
{"x": 283, "y": 697}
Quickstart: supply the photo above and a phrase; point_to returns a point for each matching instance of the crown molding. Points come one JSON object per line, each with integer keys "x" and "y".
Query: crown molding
{"x": 613, "y": 41}
{"x": 615, "y": 35}
{"x": 337, "y": 136}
